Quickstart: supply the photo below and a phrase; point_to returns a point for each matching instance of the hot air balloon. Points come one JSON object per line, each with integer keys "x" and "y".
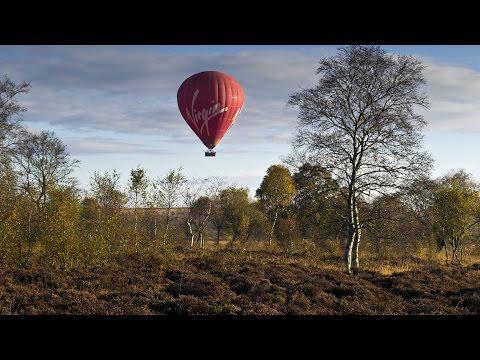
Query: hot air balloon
{"x": 210, "y": 102}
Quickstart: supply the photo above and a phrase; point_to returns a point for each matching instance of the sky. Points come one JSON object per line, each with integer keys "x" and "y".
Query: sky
{"x": 115, "y": 106}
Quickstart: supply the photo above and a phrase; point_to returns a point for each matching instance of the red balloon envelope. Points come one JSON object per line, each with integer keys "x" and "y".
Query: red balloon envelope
{"x": 210, "y": 102}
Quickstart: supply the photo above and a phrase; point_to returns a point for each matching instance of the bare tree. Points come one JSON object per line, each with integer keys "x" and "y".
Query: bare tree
{"x": 10, "y": 111}
{"x": 359, "y": 122}
{"x": 42, "y": 161}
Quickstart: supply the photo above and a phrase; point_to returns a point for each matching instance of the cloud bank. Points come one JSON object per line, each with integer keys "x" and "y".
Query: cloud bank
{"x": 101, "y": 93}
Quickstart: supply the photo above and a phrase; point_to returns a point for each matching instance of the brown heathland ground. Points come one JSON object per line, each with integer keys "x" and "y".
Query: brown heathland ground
{"x": 233, "y": 282}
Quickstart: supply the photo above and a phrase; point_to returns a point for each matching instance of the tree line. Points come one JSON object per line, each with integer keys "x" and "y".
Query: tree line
{"x": 357, "y": 175}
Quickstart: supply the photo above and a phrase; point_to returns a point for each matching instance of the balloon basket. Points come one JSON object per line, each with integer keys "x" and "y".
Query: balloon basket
{"x": 210, "y": 153}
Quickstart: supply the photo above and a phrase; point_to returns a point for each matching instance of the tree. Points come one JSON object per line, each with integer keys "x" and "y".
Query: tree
{"x": 457, "y": 210}
{"x": 419, "y": 196}
{"x": 110, "y": 199}
{"x": 199, "y": 214}
{"x": 166, "y": 194}
{"x": 359, "y": 123}
{"x": 258, "y": 222}
{"x": 13, "y": 204}
{"x": 42, "y": 162}
{"x": 137, "y": 186}
{"x": 11, "y": 237}
{"x": 199, "y": 209}
{"x": 275, "y": 193}
{"x": 10, "y": 111}
{"x": 287, "y": 230}
{"x": 93, "y": 248}
{"x": 316, "y": 201}
{"x": 216, "y": 186}
{"x": 235, "y": 211}
{"x": 60, "y": 235}
{"x": 393, "y": 227}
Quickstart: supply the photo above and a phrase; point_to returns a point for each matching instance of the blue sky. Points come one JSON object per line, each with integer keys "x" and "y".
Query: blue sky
{"x": 115, "y": 106}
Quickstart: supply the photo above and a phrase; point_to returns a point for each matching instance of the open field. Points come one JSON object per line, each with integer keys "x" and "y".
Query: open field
{"x": 249, "y": 282}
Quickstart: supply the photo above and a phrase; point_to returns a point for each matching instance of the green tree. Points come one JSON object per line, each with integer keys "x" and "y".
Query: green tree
{"x": 13, "y": 204}
{"x": 93, "y": 247}
{"x": 60, "y": 234}
{"x": 235, "y": 212}
{"x": 457, "y": 210}
{"x": 276, "y": 193}
{"x": 105, "y": 189}
{"x": 12, "y": 241}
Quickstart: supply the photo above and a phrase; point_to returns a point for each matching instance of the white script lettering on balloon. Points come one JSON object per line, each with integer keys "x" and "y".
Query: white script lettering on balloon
{"x": 197, "y": 116}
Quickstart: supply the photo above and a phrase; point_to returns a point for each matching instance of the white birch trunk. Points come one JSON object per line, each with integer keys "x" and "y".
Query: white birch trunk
{"x": 349, "y": 250}
{"x": 356, "y": 239}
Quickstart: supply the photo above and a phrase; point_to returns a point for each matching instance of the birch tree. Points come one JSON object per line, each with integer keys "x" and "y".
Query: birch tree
{"x": 199, "y": 209}
{"x": 360, "y": 122}
{"x": 166, "y": 193}
{"x": 199, "y": 196}
{"x": 137, "y": 186}
{"x": 199, "y": 214}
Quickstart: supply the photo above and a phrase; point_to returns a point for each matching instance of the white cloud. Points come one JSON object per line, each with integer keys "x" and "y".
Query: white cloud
{"x": 132, "y": 90}
{"x": 99, "y": 145}
{"x": 454, "y": 93}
